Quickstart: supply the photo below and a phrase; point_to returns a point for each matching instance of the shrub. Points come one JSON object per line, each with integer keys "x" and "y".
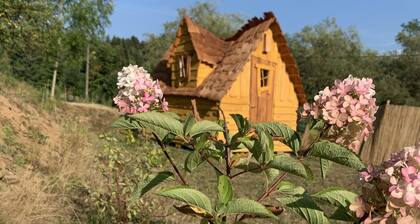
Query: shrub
{"x": 202, "y": 138}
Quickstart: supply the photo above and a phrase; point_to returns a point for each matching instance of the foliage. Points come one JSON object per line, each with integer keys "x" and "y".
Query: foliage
{"x": 325, "y": 51}
{"x": 201, "y": 136}
{"x": 128, "y": 176}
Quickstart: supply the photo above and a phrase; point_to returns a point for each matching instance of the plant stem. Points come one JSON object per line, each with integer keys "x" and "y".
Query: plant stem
{"x": 227, "y": 145}
{"x": 272, "y": 187}
{"x": 162, "y": 146}
{"x": 245, "y": 171}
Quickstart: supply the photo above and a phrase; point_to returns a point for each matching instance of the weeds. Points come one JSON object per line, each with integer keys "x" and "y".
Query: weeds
{"x": 125, "y": 168}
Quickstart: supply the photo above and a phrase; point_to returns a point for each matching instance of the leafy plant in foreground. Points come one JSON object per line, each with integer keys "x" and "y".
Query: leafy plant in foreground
{"x": 213, "y": 143}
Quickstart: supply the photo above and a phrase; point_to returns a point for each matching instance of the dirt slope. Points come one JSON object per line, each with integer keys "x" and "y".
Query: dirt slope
{"x": 45, "y": 148}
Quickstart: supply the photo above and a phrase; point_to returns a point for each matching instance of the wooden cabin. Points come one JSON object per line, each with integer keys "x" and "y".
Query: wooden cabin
{"x": 252, "y": 73}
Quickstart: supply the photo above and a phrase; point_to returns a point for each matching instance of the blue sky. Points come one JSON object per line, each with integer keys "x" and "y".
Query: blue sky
{"x": 377, "y": 21}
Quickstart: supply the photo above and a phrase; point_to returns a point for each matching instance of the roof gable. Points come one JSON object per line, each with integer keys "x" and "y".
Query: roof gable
{"x": 232, "y": 54}
{"x": 209, "y": 47}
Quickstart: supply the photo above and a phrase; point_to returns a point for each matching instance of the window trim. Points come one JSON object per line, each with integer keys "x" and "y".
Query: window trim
{"x": 270, "y": 70}
{"x": 183, "y": 65}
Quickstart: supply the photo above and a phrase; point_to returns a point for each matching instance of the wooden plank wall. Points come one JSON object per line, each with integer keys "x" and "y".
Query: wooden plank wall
{"x": 182, "y": 106}
{"x": 396, "y": 127}
{"x": 184, "y": 46}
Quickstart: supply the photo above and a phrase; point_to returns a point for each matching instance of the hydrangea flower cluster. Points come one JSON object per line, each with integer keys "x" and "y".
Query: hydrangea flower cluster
{"x": 138, "y": 92}
{"x": 391, "y": 191}
{"x": 349, "y": 108}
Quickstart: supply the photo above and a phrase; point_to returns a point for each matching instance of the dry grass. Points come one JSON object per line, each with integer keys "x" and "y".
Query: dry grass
{"x": 47, "y": 150}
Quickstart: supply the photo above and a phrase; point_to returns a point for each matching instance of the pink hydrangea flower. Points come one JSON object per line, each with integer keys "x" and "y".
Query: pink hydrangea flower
{"x": 349, "y": 107}
{"x": 138, "y": 92}
{"x": 396, "y": 184}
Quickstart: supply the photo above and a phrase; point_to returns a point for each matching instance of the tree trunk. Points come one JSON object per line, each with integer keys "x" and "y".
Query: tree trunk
{"x": 56, "y": 63}
{"x": 87, "y": 72}
{"x": 54, "y": 80}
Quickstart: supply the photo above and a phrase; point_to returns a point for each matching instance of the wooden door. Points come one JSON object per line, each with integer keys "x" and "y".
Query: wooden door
{"x": 261, "y": 90}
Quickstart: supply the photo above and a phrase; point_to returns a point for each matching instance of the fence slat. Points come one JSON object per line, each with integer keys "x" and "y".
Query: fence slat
{"x": 396, "y": 127}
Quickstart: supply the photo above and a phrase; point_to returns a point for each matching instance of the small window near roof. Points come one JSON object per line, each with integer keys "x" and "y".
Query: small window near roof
{"x": 184, "y": 67}
{"x": 264, "y": 74}
{"x": 266, "y": 44}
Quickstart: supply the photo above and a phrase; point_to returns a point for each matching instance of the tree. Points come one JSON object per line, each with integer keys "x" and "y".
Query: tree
{"x": 89, "y": 18}
{"x": 409, "y": 60}
{"x": 26, "y": 38}
{"x": 326, "y": 52}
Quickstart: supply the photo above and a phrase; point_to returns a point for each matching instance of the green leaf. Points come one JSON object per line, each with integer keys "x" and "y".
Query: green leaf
{"x": 242, "y": 123}
{"x": 159, "y": 121}
{"x": 313, "y": 130}
{"x": 305, "y": 207}
{"x": 291, "y": 137}
{"x": 336, "y": 153}
{"x": 263, "y": 148}
{"x": 288, "y": 188}
{"x": 193, "y": 160}
{"x": 290, "y": 165}
{"x": 336, "y": 196}
{"x": 271, "y": 173}
{"x": 246, "y": 206}
{"x": 188, "y": 195}
{"x": 225, "y": 189}
{"x": 343, "y": 214}
{"x": 204, "y": 126}
{"x": 150, "y": 184}
{"x": 125, "y": 122}
{"x": 324, "y": 166}
{"x": 189, "y": 122}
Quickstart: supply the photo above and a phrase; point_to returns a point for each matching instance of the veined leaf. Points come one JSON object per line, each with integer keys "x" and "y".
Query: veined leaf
{"x": 343, "y": 214}
{"x": 157, "y": 121}
{"x": 290, "y": 165}
{"x": 305, "y": 207}
{"x": 271, "y": 173}
{"x": 336, "y": 153}
{"x": 204, "y": 126}
{"x": 191, "y": 210}
{"x": 324, "y": 165}
{"x": 150, "y": 184}
{"x": 246, "y": 206}
{"x": 125, "y": 122}
{"x": 193, "y": 160}
{"x": 190, "y": 196}
{"x": 291, "y": 137}
{"x": 288, "y": 188}
{"x": 242, "y": 123}
{"x": 263, "y": 148}
{"x": 188, "y": 123}
{"x": 336, "y": 196}
{"x": 225, "y": 189}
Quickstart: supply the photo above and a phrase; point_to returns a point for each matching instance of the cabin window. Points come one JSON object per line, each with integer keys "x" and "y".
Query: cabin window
{"x": 264, "y": 75}
{"x": 184, "y": 67}
{"x": 266, "y": 44}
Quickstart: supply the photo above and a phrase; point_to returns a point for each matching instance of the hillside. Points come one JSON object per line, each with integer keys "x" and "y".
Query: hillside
{"x": 45, "y": 148}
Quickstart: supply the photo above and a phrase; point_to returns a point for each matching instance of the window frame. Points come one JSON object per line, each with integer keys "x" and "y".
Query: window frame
{"x": 183, "y": 65}
{"x": 269, "y": 69}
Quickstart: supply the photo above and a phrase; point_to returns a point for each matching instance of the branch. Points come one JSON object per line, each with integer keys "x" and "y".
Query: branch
{"x": 162, "y": 146}
{"x": 245, "y": 171}
{"x": 272, "y": 187}
{"x": 227, "y": 145}
{"x": 195, "y": 111}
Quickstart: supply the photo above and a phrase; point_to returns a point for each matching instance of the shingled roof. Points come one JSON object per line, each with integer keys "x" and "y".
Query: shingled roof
{"x": 230, "y": 56}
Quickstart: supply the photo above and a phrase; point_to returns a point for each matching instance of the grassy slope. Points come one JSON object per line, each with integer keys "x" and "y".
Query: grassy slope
{"x": 45, "y": 149}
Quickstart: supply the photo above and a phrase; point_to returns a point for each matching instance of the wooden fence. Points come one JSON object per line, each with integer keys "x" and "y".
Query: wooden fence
{"x": 395, "y": 127}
